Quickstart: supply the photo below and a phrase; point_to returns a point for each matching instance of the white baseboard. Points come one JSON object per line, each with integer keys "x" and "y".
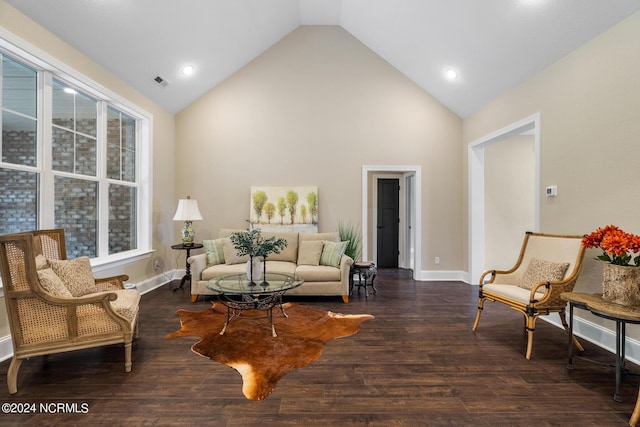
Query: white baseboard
{"x": 6, "y": 347}
{"x": 441, "y": 275}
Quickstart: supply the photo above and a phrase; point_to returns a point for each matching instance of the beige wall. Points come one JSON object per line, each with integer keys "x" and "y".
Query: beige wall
{"x": 163, "y": 140}
{"x": 312, "y": 110}
{"x": 509, "y": 178}
{"x": 589, "y": 103}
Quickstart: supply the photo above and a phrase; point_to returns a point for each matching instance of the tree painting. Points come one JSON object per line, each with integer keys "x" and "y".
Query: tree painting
{"x": 303, "y": 213}
{"x": 284, "y": 208}
{"x": 259, "y": 200}
{"x": 269, "y": 211}
{"x": 292, "y": 203}
{"x": 312, "y": 201}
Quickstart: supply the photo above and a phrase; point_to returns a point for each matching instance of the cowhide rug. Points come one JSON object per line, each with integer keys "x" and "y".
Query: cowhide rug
{"x": 249, "y": 348}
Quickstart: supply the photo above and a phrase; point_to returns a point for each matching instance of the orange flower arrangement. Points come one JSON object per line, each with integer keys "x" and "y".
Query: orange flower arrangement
{"x": 617, "y": 245}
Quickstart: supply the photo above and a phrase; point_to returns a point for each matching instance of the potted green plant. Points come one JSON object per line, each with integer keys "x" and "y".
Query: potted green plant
{"x": 252, "y": 243}
{"x": 351, "y": 233}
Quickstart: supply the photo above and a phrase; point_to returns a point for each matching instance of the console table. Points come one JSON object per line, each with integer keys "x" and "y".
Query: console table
{"x": 620, "y": 314}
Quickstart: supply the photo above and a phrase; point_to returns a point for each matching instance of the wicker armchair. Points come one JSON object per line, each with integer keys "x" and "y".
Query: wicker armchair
{"x": 559, "y": 254}
{"x": 42, "y": 322}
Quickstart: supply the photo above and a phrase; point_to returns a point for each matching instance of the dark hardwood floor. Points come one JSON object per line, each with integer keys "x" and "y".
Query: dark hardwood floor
{"x": 416, "y": 364}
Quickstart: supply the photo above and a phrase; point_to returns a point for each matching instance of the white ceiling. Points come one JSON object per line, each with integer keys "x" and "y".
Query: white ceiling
{"x": 493, "y": 44}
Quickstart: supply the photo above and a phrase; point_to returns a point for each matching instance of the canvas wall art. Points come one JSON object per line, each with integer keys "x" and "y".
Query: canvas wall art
{"x": 285, "y": 208}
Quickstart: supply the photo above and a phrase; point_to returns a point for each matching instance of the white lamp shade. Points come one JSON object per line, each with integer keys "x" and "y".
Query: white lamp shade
{"x": 187, "y": 210}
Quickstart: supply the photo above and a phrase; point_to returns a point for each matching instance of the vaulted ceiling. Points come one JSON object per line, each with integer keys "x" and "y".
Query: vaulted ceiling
{"x": 493, "y": 45}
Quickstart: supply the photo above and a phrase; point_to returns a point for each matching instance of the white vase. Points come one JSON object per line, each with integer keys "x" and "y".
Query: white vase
{"x": 254, "y": 269}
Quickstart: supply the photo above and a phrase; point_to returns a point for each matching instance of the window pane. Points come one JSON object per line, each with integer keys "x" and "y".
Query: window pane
{"x": 121, "y": 146}
{"x": 85, "y": 155}
{"x": 76, "y": 210}
{"x": 19, "y": 90}
{"x": 63, "y": 150}
{"x": 18, "y": 139}
{"x": 128, "y": 149}
{"x": 63, "y": 111}
{"x": 122, "y": 218}
{"x": 86, "y": 115}
{"x": 18, "y": 201}
{"x": 19, "y": 87}
{"x": 74, "y": 132}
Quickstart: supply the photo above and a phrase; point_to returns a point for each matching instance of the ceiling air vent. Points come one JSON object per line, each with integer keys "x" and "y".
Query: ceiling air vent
{"x": 161, "y": 81}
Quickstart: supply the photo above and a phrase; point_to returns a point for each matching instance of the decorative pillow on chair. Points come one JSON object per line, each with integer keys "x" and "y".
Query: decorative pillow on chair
{"x": 52, "y": 283}
{"x": 215, "y": 251}
{"x": 309, "y": 252}
{"x": 332, "y": 252}
{"x": 543, "y": 271}
{"x": 76, "y": 274}
{"x": 41, "y": 262}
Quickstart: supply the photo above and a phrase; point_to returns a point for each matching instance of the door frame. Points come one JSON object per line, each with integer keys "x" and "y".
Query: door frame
{"x": 475, "y": 213}
{"x": 416, "y": 196}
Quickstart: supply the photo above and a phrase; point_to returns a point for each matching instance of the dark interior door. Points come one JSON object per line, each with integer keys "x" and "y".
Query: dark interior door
{"x": 388, "y": 222}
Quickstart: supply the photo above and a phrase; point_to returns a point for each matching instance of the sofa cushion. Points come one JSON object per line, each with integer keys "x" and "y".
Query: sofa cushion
{"x": 222, "y": 270}
{"x": 280, "y": 267}
{"x": 318, "y": 273}
{"x": 215, "y": 251}
{"x": 309, "y": 252}
{"x": 332, "y": 253}
{"x": 542, "y": 271}
{"x": 76, "y": 275}
{"x": 290, "y": 252}
{"x": 230, "y": 253}
{"x": 331, "y": 237}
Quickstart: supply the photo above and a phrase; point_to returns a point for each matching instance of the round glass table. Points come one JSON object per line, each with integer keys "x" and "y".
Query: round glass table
{"x": 238, "y": 293}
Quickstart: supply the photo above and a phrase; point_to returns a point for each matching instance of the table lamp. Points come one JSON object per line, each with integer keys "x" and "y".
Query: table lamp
{"x": 187, "y": 211}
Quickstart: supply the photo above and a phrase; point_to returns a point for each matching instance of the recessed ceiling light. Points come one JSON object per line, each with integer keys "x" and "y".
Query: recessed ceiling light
{"x": 451, "y": 74}
{"x": 69, "y": 90}
{"x": 187, "y": 70}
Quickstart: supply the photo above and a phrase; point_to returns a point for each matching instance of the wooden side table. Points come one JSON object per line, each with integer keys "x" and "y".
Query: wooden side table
{"x": 620, "y": 314}
{"x": 188, "y": 248}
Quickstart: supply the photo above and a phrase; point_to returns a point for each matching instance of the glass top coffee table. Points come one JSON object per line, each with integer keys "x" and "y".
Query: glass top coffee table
{"x": 237, "y": 293}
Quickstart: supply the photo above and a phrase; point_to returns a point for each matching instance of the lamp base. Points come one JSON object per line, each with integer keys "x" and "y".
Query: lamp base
{"x": 188, "y": 234}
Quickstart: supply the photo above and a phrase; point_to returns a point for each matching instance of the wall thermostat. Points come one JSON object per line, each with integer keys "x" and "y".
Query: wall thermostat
{"x": 552, "y": 191}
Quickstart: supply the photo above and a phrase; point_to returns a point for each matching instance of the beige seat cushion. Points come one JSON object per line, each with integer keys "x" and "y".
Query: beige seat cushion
{"x": 318, "y": 273}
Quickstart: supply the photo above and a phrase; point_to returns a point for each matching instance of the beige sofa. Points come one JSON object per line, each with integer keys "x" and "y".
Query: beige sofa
{"x": 301, "y": 257}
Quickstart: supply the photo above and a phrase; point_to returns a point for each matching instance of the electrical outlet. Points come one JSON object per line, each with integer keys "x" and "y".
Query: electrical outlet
{"x": 437, "y": 260}
{"x": 156, "y": 264}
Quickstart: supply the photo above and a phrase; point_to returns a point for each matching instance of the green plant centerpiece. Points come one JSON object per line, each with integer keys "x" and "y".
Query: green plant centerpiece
{"x": 252, "y": 243}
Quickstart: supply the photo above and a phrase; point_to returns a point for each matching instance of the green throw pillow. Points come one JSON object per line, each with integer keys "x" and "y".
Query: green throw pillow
{"x": 215, "y": 251}
{"x": 332, "y": 253}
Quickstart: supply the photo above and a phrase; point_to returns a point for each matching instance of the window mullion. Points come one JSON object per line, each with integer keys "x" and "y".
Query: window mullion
{"x": 103, "y": 189}
{"x": 45, "y": 144}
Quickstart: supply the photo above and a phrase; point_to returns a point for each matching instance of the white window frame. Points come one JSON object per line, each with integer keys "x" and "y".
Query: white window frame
{"x": 53, "y": 68}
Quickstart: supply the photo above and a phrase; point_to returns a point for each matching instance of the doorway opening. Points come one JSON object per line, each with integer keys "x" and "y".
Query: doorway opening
{"x": 409, "y": 239}
{"x": 476, "y": 167}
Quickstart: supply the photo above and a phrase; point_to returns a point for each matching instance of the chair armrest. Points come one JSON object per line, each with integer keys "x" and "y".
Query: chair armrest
{"x": 198, "y": 263}
{"x": 111, "y": 283}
